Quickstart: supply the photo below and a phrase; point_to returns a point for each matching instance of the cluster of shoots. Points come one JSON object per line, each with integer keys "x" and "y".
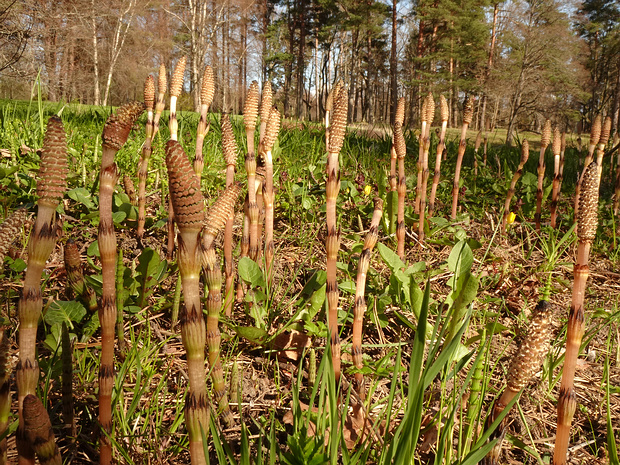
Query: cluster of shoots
{"x": 587, "y": 221}
{"x": 51, "y": 187}
{"x": 428, "y": 114}
{"x": 445, "y": 114}
{"x": 338, "y": 126}
{"x": 468, "y": 114}
{"x": 525, "y": 153}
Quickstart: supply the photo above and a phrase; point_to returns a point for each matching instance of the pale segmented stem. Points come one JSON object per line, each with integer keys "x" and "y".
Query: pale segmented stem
{"x": 332, "y": 243}
{"x": 468, "y": 113}
{"x": 524, "y": 365}
{"x": 188, "y": 204}
{"x": 38, "y": 431}
{"x": 162, "y": 86}
{"x": 430, "y": 115}
{"x": 398, "y": 120}
{"x": 360, "y": 303}
{"x": 67, "y": 387}
{"x": 250, "y": 115}
{"x": 207, "y": 92}
{"x": 115, "y": 134}
{"x": 587, "y": 221}
{"x": 544, "y": 143}
{"x": 271, "y": 134}
{"x": 230, "y": 149}
{"x": 425, "y": 124}
{"x": 401, "y": 152}
{"x": 476, "y": 148}
{"x": 149, "y": 100}
{"x": 557, "y": 150}
{"x": 215, "y": 221}
{"x": 51, "y": 187}
{"x": 443, "y": 104}
{"x": 562, "y": 152}
{"x": 525, "y": 153}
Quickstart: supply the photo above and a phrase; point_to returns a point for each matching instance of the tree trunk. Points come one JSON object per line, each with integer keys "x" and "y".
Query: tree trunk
{"x": 514, "y": 109}
{"x": 301, "y": 59}
{"x": 93, "y": 23}
{"x": 483, "y": 125}
{"x": 393, "y": 66}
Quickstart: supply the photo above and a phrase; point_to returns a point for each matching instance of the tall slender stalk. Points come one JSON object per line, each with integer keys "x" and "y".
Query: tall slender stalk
{"x": 149, "y": 102}
{"x": 468, "y": 114}
{"x": 557, "y": 150}
{"x": 230, "y": 149}
{"x": 207, "y": 91}
{"x": 9, "y": 230}
{"x": 587, "y": 222}
{"x": 332, "y": 243}
{"x": 188, "y": 205}
{"x": 602, "y": 143}
{"x": 545, "y": 138}
{"x": 221, "y": 210}
{"x": 115, "y": 134}
{"x": 392, "y": 197}
{"x": 162, "y": 86}
{"x": 562, "y": 152}
{"x": 524, "y": 365}
{"x": 271, "y": 134}
{"x": 445, "y": 114}
{"x": 360, "y": 286}
{"x": 68, "y": 417}
{"x": 595, "y": 135}
{"x": 51, "y": 187}
{"x": 430, "y": 115}
{"x": 5, "y": 393}
{"x": 250, "y": 115}
{"x": 525, "y": 153}
{"x": 423, "y": 131}
{"x": 38, "y": 431}
{"x": 476, "y": 148}
{"x": 401, "y": 151}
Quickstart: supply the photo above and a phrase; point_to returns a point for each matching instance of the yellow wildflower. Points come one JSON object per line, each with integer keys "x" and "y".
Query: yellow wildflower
{"x": 367, "y": 190}
{"x": 511, "y": 217}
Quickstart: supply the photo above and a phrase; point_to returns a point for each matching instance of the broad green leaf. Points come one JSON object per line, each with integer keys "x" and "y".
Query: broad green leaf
{"x": 83, "y": 196}
{"x": 347, "y": 286}
{"x": 252, "y": 334}
{"x": 60, "y": 312}
{"x": 461, "y": 258}
{"x": 390, "y": 257}
{"x": 250, "y": 272}
{"x": 151, "y": 269}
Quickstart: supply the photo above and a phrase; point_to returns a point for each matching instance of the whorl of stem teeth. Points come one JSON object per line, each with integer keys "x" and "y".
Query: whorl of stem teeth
{"x": 162, "y": 80}
{"x": 250, "y": 108}
{"x": 545, "y": 136}
{"x": 338, "y": 124}
{"x": 266, "y": 102}
{"x": 468, "y": 110}
{"x": 52, "y": 182}
{"x": 445, "y": 110}
{"x": 430, "y": 108}
{"x": 399, "y": 118}
{"x": 176, "y": 83}
{"x": 219, "y": 212}
{"x": 595, "y": 130}
{"x": 207, "y": 91}
{"x": 587, "y": 215}
{"x": 38, "y": 431}
{"x": 118, "y": 126}
{"x": 229, "y": 144}
{"x": 9, "y": 231}
{"x": 149, "y": 93}
{"x": 187, "y": 199}
{"x": 399, "y": 142}
{"x": 528, "y": 358}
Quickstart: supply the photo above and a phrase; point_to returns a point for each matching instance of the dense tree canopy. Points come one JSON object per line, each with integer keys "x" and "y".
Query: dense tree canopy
{"x": 524, "y": 60}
